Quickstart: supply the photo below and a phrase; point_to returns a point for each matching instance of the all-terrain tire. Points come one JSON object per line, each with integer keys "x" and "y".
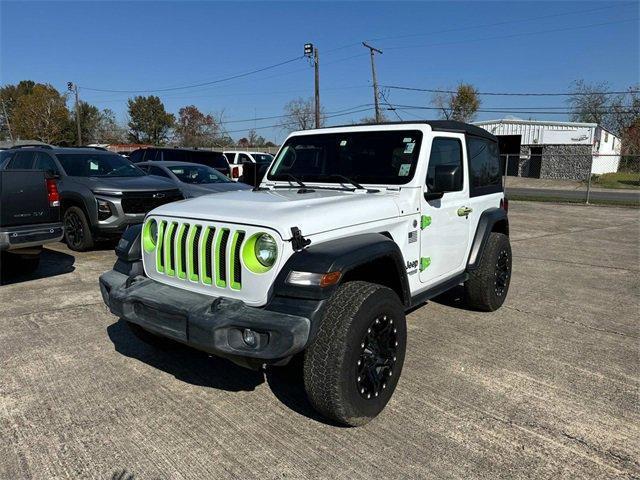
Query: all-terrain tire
{"x": 488, "y": 284}
{"x": 344, "y": 345}
{"x": 77, "y": 232}
{"x": 156, "y": 341}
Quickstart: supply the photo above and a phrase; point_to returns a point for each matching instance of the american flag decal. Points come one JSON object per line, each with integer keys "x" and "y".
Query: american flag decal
{"x": 413, "y": 236}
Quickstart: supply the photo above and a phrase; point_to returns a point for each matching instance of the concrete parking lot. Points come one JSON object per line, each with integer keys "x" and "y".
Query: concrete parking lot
{"x": 547, "y": 387}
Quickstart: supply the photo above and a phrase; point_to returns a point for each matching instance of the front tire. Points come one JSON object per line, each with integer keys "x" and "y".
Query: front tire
{"x": 77, "y": 233}
{"x": 353, "y": 366}
{"x": 488, "y": 284}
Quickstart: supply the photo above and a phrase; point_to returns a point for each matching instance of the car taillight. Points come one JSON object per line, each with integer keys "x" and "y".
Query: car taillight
{"x": 235, "y": 172}
{"x": 52, "y": 193}
{"x": 504, "y": 204}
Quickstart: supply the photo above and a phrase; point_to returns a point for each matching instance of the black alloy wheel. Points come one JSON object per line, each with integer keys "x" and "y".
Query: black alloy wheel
{"x": 377, "y": 357}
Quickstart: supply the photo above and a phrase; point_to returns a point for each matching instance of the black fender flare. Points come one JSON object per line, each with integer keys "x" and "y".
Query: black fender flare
{"x": 488, "y": 220}
{"x": 341, "y": 255}
{"x": 84, "y": 201}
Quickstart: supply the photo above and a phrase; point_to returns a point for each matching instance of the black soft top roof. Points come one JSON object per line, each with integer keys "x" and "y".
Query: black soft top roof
{"x": 438, "y": 126}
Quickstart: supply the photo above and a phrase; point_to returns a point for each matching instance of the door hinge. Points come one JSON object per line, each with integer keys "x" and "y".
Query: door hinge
{"x": 298, "y": 242}
{"x": 425, "y": 221}
{"x": 424, "y": 263}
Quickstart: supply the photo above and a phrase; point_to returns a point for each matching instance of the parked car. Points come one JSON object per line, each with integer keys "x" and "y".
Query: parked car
{"x": 192, "y": 179}
{"x": 351, "y": 228}
{"x": 101, "y": 193}
{"x": 29, "y": 217}
{"x": 238, "y": 158}
{"x": 213, "y": 159}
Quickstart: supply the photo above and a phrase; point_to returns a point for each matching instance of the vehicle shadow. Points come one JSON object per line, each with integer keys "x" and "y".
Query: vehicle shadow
{"x": 203, "y": 370}
{"x": 52, "y": 263}
{"x": 453, "y": 298}
{"x": 184, "y": 363}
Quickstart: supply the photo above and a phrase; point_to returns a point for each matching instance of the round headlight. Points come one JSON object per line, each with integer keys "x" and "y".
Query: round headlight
{"x": 150, "y": 235}
{"x": 266, "y": 250}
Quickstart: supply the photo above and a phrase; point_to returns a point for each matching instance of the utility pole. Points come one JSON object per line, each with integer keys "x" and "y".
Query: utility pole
{"x": 74, "y": 88}
{"x": 6, "y": 119}
{"x": 312, "y": 52}
{"x": 373, "y": 50}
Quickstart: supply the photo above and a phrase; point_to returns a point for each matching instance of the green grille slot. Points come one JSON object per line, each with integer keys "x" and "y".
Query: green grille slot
{"x": 234, "y": 260}
{"x": 169, "y": 238}
{"x": 181, "y": 256}
{"x": 193, "y": 254}
{"x": 206, "y": 256}
{"x": 221, "y": 260}
{"x": 159, "y": 250}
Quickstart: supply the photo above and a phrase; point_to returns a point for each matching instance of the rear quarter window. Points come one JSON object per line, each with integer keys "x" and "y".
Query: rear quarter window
{"x": 485, "y": 175}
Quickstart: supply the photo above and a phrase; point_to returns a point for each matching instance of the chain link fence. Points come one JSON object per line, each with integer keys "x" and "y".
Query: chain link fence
{"x": 584, "y": 178}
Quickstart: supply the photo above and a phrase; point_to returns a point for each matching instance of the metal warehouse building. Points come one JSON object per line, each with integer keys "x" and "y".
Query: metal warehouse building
{"x": 563, "y": 150}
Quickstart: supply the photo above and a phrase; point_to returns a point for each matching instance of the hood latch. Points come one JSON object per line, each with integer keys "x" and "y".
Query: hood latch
{"x": 298, "y": 242}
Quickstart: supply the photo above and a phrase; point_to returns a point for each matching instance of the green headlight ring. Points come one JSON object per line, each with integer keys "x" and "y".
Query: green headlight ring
{"x": 249, "y": 255}
{"x": 148, "y": 242}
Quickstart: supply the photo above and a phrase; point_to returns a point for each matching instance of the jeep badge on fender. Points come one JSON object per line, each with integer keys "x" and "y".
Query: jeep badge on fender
{"x": 317, "y": 261}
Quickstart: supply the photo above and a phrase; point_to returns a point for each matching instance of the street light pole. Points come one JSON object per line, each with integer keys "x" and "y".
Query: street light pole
{"x": 312, "y": 52}
{"x": 373, "y": 50}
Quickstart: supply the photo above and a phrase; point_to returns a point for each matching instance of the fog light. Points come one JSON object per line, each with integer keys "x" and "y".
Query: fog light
{"x": 249, "y": 337}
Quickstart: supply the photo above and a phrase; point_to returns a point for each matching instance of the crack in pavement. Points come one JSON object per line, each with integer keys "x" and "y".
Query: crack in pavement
{"x": 572, "y": 231}
{"x": 577, "y": 263}
{"x": 572, "y": 322}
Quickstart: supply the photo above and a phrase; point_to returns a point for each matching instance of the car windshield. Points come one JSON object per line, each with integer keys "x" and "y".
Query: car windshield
{"x": 98, "y": 165}
{"x": 198, "y": 174}
{"x": 262, "y": 157}
{"x": 375, "y": 157}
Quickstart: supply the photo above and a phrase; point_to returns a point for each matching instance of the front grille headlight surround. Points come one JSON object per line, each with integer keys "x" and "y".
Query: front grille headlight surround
{"x": 150, "y": 235}
{"x": 260, "y": 253}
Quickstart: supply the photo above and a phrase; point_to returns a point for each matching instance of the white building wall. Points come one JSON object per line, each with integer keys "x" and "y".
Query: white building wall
{"x": 606, "y": 152}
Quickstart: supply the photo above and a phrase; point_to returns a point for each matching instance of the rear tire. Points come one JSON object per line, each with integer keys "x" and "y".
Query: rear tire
{"x": 77, "y": 232}
{"x": 352, "y": 367}
{"x": 488, "y": 284}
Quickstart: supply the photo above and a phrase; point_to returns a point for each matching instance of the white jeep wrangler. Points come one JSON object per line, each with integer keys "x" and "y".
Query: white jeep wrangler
{"x": 350, "y": 228}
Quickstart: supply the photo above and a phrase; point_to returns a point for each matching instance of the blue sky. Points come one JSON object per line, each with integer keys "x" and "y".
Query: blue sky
{"x": 496, "y": 46}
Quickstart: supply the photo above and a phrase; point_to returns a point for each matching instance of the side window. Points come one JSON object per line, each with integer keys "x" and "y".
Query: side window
{"x": 485, "y": 174}
{"x": 21, "y": 160}
{"x": 46, "y": 163}
{"x": 144, "y": 168}
{"x": 445, "y": 152}
{"x": 242, "y": 157}
{"x": 176, "y": 156}
{"x": 157, "y": 171}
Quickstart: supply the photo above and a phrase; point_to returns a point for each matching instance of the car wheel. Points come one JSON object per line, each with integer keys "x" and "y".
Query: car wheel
{"x": 77, "y": 233}
{"x": 352, "y": 368}
{"x": 488, "y": 284}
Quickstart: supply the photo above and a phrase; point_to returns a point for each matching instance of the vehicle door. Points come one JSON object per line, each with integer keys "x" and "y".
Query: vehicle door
{"x": 444, "y": 227}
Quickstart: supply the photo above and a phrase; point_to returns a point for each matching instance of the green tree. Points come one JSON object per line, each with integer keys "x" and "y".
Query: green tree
{"x": 89, "y": 123}
{"x": 461, "y": 105}
{"x": 41, "y": 115}
{"x": 149, "y": 121}
{"x": 194, "y": 128}
{"x": 9, "y": 95}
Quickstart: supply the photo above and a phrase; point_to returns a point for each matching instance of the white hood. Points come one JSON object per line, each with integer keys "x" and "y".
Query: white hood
{"x": 282, "y": 209}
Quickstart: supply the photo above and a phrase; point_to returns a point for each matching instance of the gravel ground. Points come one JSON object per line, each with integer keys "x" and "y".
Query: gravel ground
{"x": 546, "y": 387}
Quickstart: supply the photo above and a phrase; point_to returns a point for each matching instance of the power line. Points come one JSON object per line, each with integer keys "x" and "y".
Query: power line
{"x": 511, "y": 94}
{"x": 507, "y": 110}
{"x": 496, "y": 37}
{"x": 203, "y": 84}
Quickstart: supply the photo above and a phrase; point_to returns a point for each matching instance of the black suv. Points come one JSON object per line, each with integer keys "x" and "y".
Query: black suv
{"x": 213, "y": 159}
{"x": 101, "y": 193}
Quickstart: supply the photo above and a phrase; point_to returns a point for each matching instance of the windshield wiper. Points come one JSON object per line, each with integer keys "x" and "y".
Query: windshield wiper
{"x": 295, "y": 179}
{"x": 346, "y": 179}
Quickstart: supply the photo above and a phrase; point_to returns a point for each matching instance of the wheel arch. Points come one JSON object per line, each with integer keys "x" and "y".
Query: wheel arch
{"x": 372, "y": 257}
{"x": 492, "y": 220}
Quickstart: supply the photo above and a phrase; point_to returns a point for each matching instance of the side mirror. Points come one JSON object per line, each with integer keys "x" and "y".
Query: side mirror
{"x": 447, "y": 178}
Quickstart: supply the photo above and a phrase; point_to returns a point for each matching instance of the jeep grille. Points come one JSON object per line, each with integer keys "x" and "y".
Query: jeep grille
{"x": 200, "y": 253}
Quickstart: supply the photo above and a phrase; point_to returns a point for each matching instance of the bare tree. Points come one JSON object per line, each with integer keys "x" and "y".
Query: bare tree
{"x": 462, "y": 105}
{"x": 589, "y": 103}
{"x": 300, "y": 115}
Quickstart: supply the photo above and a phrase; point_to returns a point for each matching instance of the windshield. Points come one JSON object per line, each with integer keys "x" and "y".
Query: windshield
{"x": 262, "y": 157}
{"x": 198, "y": 174}
{"x": 375, "y": 157}
{"x": 98, "y": 165}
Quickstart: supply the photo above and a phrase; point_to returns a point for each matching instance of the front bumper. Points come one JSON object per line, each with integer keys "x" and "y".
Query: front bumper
{"x": 212, "y": 324}
{"x": 28, "y": 236}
